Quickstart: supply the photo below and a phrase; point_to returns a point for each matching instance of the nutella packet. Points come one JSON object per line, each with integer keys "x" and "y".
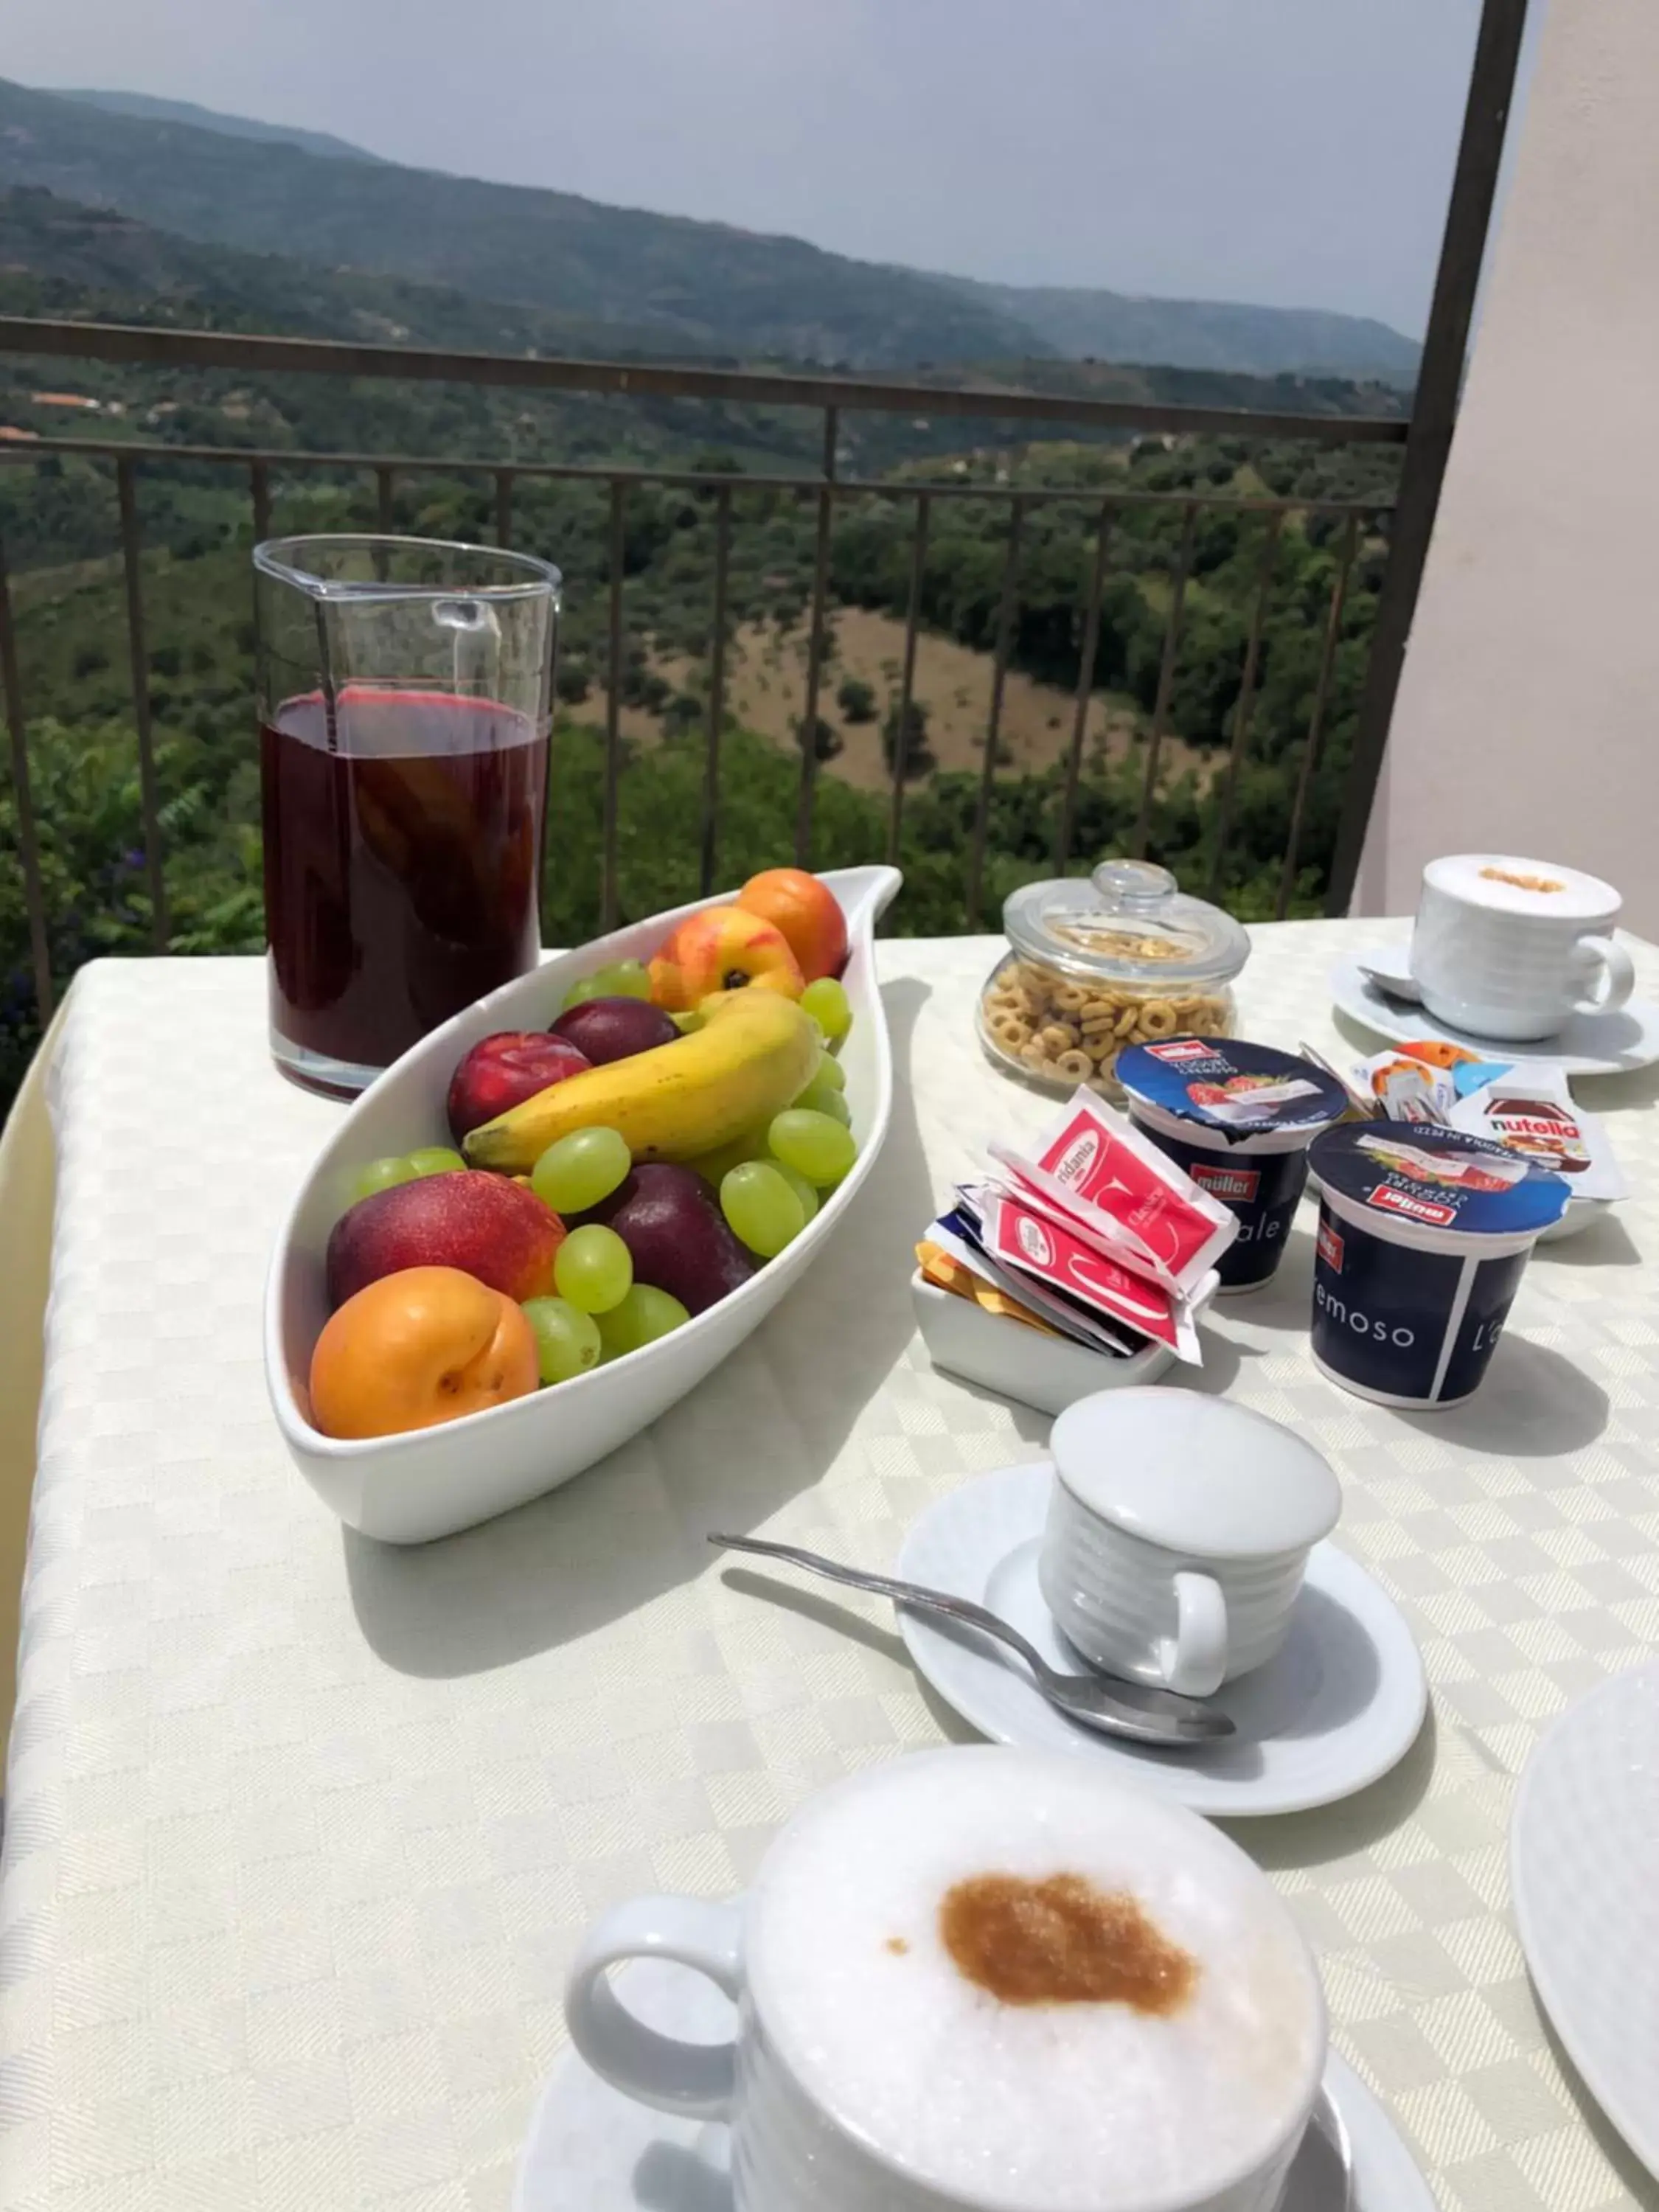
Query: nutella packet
{"x": 1532, "y": 1113}
{"x": 1100, "y": 1171}
{"x": 1042, "y": 1247}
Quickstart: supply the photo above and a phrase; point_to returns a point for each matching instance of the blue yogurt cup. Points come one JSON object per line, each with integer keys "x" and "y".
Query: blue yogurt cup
{"x": 1238, "y": 1118}
{"x": 1423, "y": 1235}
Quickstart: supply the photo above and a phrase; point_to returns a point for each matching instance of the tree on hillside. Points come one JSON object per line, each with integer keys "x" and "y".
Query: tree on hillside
{"x": 856, "y": 699}
{"x": 918, "y": 759}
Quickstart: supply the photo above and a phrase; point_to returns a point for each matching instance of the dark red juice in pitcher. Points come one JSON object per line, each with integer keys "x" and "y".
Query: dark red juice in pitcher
{"x": 402, "y": 841}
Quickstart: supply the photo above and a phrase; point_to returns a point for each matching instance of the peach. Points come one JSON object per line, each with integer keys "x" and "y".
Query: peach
{"x": 808, "y": 912}
{"x": 722, "y": 949}
{"x": 424, "y": 1346}
{"x": 503, "y": 1071}
{"x": 489, "y": 1228}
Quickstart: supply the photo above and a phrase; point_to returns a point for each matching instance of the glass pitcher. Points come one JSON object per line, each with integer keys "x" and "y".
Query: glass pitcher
{"x": 403, "y": 694}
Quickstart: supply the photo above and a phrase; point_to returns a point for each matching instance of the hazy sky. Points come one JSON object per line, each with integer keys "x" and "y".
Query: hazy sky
{"x": 1291, "y": 152}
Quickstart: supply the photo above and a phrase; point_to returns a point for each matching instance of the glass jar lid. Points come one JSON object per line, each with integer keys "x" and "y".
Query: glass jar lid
{"x": 1128, "y": 924}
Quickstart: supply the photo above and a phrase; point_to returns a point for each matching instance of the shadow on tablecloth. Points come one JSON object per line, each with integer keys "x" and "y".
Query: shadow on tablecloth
{"x": 767, "y": 1425}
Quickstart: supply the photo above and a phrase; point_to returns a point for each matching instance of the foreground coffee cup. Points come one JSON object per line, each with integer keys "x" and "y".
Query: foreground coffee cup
{"x": 988, "y": 1979}
{"x": 1238, "y": 1118}
{"x": 1510, "y": 949}
{"x": 1424, "y": 1236}
{"x": 1178, "y": 1534}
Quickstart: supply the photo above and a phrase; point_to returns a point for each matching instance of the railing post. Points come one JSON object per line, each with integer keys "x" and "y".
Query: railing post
{"x": 1246, "y": 702}
{"x": 126, "y": 493}
{"x": 28, "y": 843}
{"x": 1085, "y": 687}
{"x": 609, "y": 888}
{"x": 907, "y": 678}
{"x": 1165, "y": 680}
{"x": 1434, "y": 414}
{"x": 808, "y": 730}
{"x": 994, "y": 721}
{"x": 711, "y": 770}
{"x": 1316, "y": 718}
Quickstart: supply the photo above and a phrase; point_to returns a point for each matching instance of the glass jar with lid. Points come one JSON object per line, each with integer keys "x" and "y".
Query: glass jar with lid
{"x": 1124, "y": 957}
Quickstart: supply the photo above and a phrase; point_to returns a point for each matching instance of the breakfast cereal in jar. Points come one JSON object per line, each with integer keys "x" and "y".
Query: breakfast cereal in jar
{"x": 1122, "y": 958}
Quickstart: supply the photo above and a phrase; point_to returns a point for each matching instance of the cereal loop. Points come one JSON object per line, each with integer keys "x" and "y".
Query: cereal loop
{"x": 1158, "y": 1020}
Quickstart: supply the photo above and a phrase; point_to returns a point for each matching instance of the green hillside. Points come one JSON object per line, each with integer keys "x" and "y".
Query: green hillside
{"x": 706, "y": 286}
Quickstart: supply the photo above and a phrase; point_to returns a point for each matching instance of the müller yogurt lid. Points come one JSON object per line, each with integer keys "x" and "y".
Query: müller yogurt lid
{"x": 1440, "y": 1179}
{"x": 1236, "y": 1089}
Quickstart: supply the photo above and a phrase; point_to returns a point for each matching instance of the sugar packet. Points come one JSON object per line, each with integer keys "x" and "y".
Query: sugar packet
{"x": 1098, "y": 1169}
{"x": 1044, "y": 1249}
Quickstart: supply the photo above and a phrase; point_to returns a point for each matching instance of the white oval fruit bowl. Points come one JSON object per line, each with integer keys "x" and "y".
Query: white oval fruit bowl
{"x": 407, "y": 1488}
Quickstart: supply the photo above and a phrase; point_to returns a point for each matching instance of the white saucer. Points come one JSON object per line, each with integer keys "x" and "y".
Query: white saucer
{"x": 591, "y": 2149}
{"x": 1340, "y": 1704}
{"x": 1583, "y": 1845}
{"x": 1587, "y": 1044}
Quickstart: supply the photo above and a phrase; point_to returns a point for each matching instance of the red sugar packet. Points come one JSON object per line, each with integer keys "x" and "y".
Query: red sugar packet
{"x": 1122, "y": 1191}
{"x": 1041, "y": 1246}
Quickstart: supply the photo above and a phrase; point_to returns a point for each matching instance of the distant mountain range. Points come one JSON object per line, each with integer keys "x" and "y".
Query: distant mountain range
{"x": 661, "y": 282}
{"x": 323, "y": 143}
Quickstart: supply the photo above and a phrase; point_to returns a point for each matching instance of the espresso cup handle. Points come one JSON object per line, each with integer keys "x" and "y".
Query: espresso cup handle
{"x": 1194, "y": 1659}
{"x": 1609, "y": 964}
{"x": 694, "y": 2080}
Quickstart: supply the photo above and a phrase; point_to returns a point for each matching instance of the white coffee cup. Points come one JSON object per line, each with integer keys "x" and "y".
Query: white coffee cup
{"x": 903, "y": 2042}
{"x": 1178, "y": 1533}
{"x": 1509, "y": 948}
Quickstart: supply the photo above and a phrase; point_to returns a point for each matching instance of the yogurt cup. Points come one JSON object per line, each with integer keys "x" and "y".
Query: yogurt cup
{"x": 1423, "y": 1235}
{"x": 1239, "y": 1118}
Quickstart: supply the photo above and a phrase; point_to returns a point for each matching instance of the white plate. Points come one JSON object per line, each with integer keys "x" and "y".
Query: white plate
{"x": 1587, "y": 1044}
{"x": 1583, "y": 1851}
{"x": 591, "y": 2149}
{"x": 405, "y": 1489}
{"x": 1340, "y": 1704}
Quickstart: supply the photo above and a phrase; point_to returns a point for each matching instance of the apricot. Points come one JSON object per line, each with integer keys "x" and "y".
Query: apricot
{"x": 808, "y": 912}
{"x": 425, "y": 1346}
{"x": 724, "y": 948}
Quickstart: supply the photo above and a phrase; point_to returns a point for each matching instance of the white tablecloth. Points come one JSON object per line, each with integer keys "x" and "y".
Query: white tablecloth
{"x": 301, "y": 1831}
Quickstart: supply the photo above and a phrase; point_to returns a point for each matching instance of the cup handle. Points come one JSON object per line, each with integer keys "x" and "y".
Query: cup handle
{"x": 1194, "y": 1659}
{"x": 694, "y": 2080}
{"x": 1609, "y": 962}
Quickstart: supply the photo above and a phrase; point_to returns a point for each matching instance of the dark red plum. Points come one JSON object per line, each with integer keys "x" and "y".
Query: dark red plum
{"x": 671, "y": 1224}
{"x": 604, "y": 1030}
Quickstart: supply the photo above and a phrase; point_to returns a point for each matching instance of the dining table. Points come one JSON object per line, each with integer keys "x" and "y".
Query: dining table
{"x": 301, "y": 1830}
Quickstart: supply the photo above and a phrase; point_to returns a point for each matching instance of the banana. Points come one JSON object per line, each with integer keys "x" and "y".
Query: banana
{"x": 756, "y": 1052}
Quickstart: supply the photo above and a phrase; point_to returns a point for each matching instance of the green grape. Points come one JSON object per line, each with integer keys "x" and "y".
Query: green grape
{"x": 831, "y": 1071}
{"x": 644, "y": 1314}
{"x": 802, "y": 1189}
{"x": 822, "y": 1097}
{"x": 812, "y": 1145}
{"x": 435, "y": 1159}
{"x": 567, "y": 1340}
{"x": 714, "y": 1167}
{"x": 589, "y": 986}
{"x": 826, "y": 1002}
{"x": 624, "y": 979}
{"x": 580, "y": 1169}
{"x": 594, "y": 1269}
{"x": 761, "y": 1209}
{"x": 382, "y": 1175}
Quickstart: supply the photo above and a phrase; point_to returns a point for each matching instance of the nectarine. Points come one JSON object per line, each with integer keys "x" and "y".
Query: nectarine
{"x": 808, "y": 912}
{"x": 424, "y": 1346}
{"x": 503, "y": 1071}
{"x": 722, "y": 949}
{"x": 489, "y": 1227}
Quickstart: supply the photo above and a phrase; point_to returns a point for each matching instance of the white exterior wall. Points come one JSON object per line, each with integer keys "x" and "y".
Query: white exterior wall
{"x": 1529, "y": 715}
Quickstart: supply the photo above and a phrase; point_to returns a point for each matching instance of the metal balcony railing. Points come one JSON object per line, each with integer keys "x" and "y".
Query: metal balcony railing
{"x": 1349, "y": 522}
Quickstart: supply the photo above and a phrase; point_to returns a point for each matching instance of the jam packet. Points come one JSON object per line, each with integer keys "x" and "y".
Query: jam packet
{"x": 1102, "y": 1173}
{"x": 959, "y": 1235}
{"x": 1532, "y": 1113}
